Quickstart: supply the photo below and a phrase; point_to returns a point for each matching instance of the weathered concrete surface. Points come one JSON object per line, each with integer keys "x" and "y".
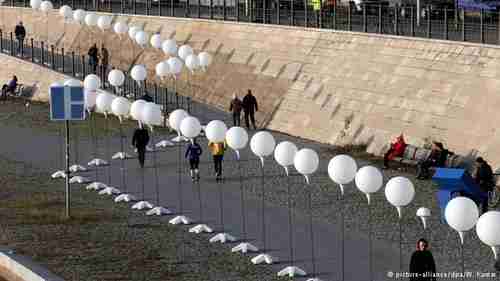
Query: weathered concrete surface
{"x": 19, "y": 268}
{"x": 334, "y": 87}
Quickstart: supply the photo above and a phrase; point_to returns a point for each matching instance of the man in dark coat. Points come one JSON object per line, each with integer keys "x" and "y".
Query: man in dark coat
{"x": 20, "y": 33}
{"x": 236, "y": 106}
{"x": 93, "y": 54}
{"x": 250, "y": 107}
{"x": 140, "y": 140}
{"x": 104, "y": 62}
{"x": 484, "y": 177}
{"x": 422, "y": 264}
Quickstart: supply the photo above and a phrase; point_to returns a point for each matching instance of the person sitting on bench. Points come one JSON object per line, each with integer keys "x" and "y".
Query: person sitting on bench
{"x": 11, "y": 86}
{"x": 397, "y": 149}
{"x": 484, "y": 177}
{"x": 437, "y": 159}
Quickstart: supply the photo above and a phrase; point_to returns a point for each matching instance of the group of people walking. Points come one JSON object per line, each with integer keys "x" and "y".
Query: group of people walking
{"x": 248, "y": 105}
{"x": 99, "y": 58}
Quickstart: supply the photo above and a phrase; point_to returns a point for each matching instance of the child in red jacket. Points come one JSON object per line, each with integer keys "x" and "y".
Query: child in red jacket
{"x": 397, "y": 149}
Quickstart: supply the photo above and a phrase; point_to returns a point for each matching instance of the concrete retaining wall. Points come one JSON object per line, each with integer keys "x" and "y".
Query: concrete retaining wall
{"x": 18, "y": 268}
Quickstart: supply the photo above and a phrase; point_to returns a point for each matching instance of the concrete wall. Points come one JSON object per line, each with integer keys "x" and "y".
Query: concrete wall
{"x": 18, "y": 268}
{"x": 334, "y": 87}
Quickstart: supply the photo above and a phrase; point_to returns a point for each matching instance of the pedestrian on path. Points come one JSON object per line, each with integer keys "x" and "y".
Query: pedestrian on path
{"x": 20, "y": 33}
{"x": 140, "y": 140}
{"x": 193, "y": 153}
{"x": 250, "y": 106}
{"x": 236, "y": 106}
{"x": 422, "y": 266}
{"x": 217, "y": 149}
{"x": 93, "y": 54}
{"x": 104, "y": 62}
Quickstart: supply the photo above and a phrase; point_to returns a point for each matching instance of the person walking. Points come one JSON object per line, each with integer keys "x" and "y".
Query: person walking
{"x": 422, "y": 266}
{"x": 93, "y": 54}
{"x": 485, "y": 179}
{"x": 140, "y": 140}
{"x": 104, "y": 62}
{"x": 217, "y": 149}
{"x": 250, "y": 106}
{"x": 236, "y": 106}
{"x": 193, "y": 153}
{"x": 20, "y": 33}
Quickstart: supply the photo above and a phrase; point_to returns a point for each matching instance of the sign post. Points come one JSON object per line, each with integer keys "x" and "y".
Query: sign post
{"x": 66, "y": 104}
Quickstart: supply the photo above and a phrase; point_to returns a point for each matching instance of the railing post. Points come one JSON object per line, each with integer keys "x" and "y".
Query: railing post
{"x": 52, "y": 57}
{"x": 134, "y": 5}
{"x": 199, "y": 10}
{"x": 237, "y": 5}
{"x": 156, "y": 93}
{"x": 11, "y": 44}
{"x": 63, "y": 60}
{"x": 396, "y": 19}
{"x": 32, "y": 50}
{"x": 224, "y": 16}
{"x": 189, "y": 104}
{"x": 320, "y": 14}
{"x": 278, "y": 16}
{"x": 84, "y": 68}
{"x": 73, "y": 70}
{"x": 365, "y": 27}
{"x": 42, "y": 49}
{"x": 176, "y": 100}
{"x": 481, "y": 26}
{"x": 428, "y": 21}
{"x": 165, "y": 101}
{"x": 292, "y": 13}
{"x": 211, "y": 10}
{"x": 349, "y": 25}
{"x": 412, "y": 22}
{"x": 147, "y": 7}
{"x": 135, "y": 91}
{"x": 334, "y": 17}
{"x": 264, "y": 6}
{"x": 445, "y": 29}
{"x": 380, "y": 18}
{"x": 159, "y": 7}
{"x": 122, "y": 6}
{"x": 463, "y": 25}
{"x": 172, "y": 8}
{"x": 186, "y": 9}
{"x": 1, "y": 41}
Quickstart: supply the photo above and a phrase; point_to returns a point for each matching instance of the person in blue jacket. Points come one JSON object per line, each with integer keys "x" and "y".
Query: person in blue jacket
{"x": 193, "y": 153}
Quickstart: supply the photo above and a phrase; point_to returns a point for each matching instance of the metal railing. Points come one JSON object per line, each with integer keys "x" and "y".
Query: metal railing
{"x": 69, "y": 63}
{"x": 448, "y": 24}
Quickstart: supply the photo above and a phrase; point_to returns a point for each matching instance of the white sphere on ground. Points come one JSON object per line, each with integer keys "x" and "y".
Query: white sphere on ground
{"x": 104, "y": 101}
{"x": 72, "y": 83}
{"x": 216, "y": 131}
{"x": 116, "y": 78}
{"x": 35, "y": 4}
{"x": 151, "y": 114}
{"x": 192, "y": 62}
{"x": 155, "y": 41}
{"x": 488, "y": 228}
{"x": 284, "y": 153}
{"x": 369, "y": 179}
{"x": 461, "y": 214}
{"x": 90, "y": 99}
{"x": 262, "y": 144}
{"x": 141, "y": 38}
{"x": 169, "y": 47}
{"x": 92, "y": 82}
{"x": 205, "y": 59}
{"x": 66, "y": 12}
{"x": 79, "y": 15}
{"x": 237, "y": 138}
{"x": 190, "y": 127}
{"x": 120, "y": 106}
{"x": 423, "y": 212}
{"x": 342, "y": 169}
{"x": 138, "y": 72}
{"x": 132, "y": 31}
{"x": 306, "y": 161}
{"x": 175, "y": 118}
{"x": 399, "y": 191}
{"x": 104, "y": 22}
{"x": 91, "y": 19}
{"x": 120, "y": 27}
{"x": 175, "y": 65}
{"x": 184, "y": 51}
{"x": 136, "y": 109}
{"x": 162, "y": 69}
{"x": 46, "y": 6}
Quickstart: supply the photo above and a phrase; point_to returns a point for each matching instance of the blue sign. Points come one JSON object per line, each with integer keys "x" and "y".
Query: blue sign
{"x": 477, "y": 5}
{"x": 67, "y": 103}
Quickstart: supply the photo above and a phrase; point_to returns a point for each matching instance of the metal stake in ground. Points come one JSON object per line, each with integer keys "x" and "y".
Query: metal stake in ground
{"x": 158, "y": 210}
{"x": 68, "y": 189}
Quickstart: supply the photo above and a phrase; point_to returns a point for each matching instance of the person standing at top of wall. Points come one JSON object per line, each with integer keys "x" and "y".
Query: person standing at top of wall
{"x": 104, "y": 62}
{"x": 250, "y": 106}
{"x": 20, "y": 33}
{"x": 93, "y": 54}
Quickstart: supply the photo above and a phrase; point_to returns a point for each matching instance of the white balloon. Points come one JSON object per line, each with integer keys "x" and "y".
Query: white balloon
{"x": 284, "y": 153}
{"x": 136, "y": 109}
{"x": 72, "y": 83}
{"x": 368, "y": 179}
{"x": 175, "y": 118}
{"x": 79, "y": 15}
{"x": 192, "y": 62}
{"x": 237, "y": 138}
{"x": 156, "y": 41}
{"x": 132, "y": 31}
{"x": 184, "y": 51}
{"x": 90, "y": 99}
{"x": 120, "y": 27}
{"x": 216, "y": 131}
{"x": 169, "y": 47}
{"x": 104, "y": 22}
{"x": 262, "y": 144}
{"x": 141, "y": 38}
{"x": 120, "y": 107}
{"x": 162, "y": 69}
{"x": 205, "y": 59}
{"x": 92, "y": 82}
{"x": 461, "y": 214}
{"x": 35, "y": 4}
{"x": 46, "y": 6}
{"x": 399, "y": 191}
{"x": 306, "y": 161}
{"x": 175, "y": 65}
{"x": 91, "y": 19}
{"x": 66, "y": 12}
{"x": 342, "y": 169}
{"x": 138, "y": 72}
{"x": 423, "y": 213}
{"x": 116, "y": 77}
{"x": 190, "y": 127}
{"x": 488, "y": 230}
{"x": 104, "y": 101}
{"x": 151, "y": 114}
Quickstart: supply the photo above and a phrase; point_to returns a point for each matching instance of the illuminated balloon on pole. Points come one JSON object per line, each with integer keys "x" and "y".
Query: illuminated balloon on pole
{"x": 169, "y": 47}
{"x": 399, "y": 191}
{"x": 306, "y": 162}
{"x": 236, "y": 137}
{"x": 175, "y": 66}
{"x": 116, "y": 78}
{"x": 66, "y": 12}
{"x": 138, "y": 73}
{"x": 369, "y": 180}
{"x": 120, "y": 107}
{"x": 136, "y": 110}
{"x": 190, "y": 127}
{"x": 141, "y": 38}
{"x": 192, "y": 62}
{"x": 120, "y": 28}
{"x": 155, "y": 41}
{"x": 92, "y": 82}
{"x": 79, "y": 16}
{"x": 174, "y": 120}
{"x": 284, "y": 153}
{"x": 35, "y": 4}
{"x": 488, "y": 230}
{"x": 205, "y": 59}
{"x": 342, "y": 170}
{"x": 184, "y": 51}
{"x": 46, "y": 6}
{"x": 423, "y": 213}
{"x": 262, "y": 144}
{"x": 91, "y": 19}
{"x": 104, "y": 22}
{"x": 461, "y": 214}
{"x": 132, "y": 31}
{"x": 162, "y": 69}
{"x": 103, "y": 103}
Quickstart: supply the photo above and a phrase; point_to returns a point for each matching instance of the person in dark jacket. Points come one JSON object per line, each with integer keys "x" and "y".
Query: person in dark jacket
{"x": 193, "y": 153}
{"x": 140, "y": 140}
{"x": 250, "y": 106}
{"x": 93, "y": 54}
{"x": 485, "y": 179}
{"x": 104, "y": 62}
{"x": 146, "y": 98}
{"x": 20, "y": 33}
{"x": 236, "y": 106}
{"x": 12, "y": 85}
{"x": 437, "y": 158}
{"x": 422, "y": 264}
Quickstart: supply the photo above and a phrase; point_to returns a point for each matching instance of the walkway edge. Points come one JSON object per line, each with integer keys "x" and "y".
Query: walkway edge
{"x": 20, "y": 268}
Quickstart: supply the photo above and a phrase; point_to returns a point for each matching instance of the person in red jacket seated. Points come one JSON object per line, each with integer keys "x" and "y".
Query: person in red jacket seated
{"x": 397, "y": 149}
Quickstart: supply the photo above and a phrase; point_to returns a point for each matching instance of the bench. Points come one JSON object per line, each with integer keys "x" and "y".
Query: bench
{"x": 413, "y": 155}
